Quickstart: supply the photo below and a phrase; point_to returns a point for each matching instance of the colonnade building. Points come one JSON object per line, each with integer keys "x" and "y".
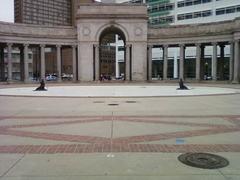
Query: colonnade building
{"x": 88, "y": 42}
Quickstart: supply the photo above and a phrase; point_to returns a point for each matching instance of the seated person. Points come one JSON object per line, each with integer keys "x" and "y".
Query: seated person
{"x": 42, "y": 86}
{"x": 182, "y": 86}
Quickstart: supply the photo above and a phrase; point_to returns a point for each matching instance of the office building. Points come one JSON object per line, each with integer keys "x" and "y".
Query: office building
{"x": 47, "y": 12}
{"x": 177, "y": 12}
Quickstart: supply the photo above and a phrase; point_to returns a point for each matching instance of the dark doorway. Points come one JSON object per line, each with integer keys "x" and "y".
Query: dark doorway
{"x": 112, "y": 54}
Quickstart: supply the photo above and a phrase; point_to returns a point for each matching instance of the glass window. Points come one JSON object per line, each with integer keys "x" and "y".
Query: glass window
{"x": 197, "y": 14}
{"x": 196, "y": 2}
{"x": 220, "y": 11}
{"x": 230, "y": 10}
{"x": 189, "y": 16}
{"x": 180, "y": 4}
{"x": 188, "y": 3}
{"x": 180, "y": 17}
{"x": 238, "y": 9}
{"x": 206, "y": 1}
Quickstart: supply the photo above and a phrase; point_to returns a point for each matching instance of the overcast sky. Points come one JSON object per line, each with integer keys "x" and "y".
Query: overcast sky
{"x": 6, "y": 11}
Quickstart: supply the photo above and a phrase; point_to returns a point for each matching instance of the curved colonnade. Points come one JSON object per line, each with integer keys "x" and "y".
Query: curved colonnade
{"x": 201, "y": 35}
{"x": 25, "y": 36}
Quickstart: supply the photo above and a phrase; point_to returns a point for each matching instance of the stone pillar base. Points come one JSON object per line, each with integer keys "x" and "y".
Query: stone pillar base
{"x": 235, "y": 82}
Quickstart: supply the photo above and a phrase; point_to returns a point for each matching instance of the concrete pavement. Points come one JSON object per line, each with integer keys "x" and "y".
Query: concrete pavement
{"x": 117, "y": 138}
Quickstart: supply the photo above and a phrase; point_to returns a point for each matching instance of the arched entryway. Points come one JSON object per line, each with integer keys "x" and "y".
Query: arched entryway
{"x": 112, "y": 53}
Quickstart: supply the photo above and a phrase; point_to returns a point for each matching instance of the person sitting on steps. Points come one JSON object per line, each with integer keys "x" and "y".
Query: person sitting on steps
{"x": 182, "y": 86}
{"x": 42, "y": 86}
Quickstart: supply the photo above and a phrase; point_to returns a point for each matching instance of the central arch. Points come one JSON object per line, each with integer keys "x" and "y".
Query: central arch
{"x": 112, "y": 61}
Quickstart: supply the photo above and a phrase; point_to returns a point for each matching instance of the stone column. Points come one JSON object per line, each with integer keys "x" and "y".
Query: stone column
{"x": 43, "y": 61}
{"x": 26, "y": 68}
{"x": 231, "y": 61}
{"x": 236, "y": 62}
{"x": 2, "y": 63}
{"x": 74, "y": 63}
{"x": 127, "y": 72}
{"x": 165, "y": 61}
{"x": 222, "y": 55}
{"x": 97, "y": 63}
{"x": 59, "y": 63}
{"x": 214, "y": 62}
{"x": 198, "y": 61}
{"x": 21, "y": 49}
{"x": 175, "y": 65}
{"x": 116, "y": 57}
{"x": 79, "y": 62}
{"x": 182, "y": 57}
{"x": 150, "y": 63}
{"x": 9, "y": 45}
{"x": 202, "y": 62}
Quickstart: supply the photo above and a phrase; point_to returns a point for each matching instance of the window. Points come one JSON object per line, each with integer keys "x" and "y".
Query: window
{"x": 206, "y": 1}
{"x": 188, "y": 16}
{"x": 189, "y": 3}
{"x": 228, "y": 10}
{"x": 220, "y": 11}
{"x": 197, "y": 14}
{"x": 193, "y": 15}
{"x": 206, "y": 13}
{"x": 196, "y": 2}
{"x": 180, "y": 4}
{"x": 180, "y": 17}
{"x": 192, "y": 2}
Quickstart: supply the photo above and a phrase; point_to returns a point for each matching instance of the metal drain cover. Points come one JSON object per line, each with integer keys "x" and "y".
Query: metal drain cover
{"x": 203, "y": 160}
{"x": 98, "y": 102}
{"x": 113, "y": 104}
{"x": 131, "y": 101}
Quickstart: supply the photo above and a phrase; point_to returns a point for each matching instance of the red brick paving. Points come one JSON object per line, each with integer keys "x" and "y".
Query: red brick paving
{"x": 92, "y": 144}
{"x": 172, "y": 135}
{"x": 106, "y": 148}
{"x": 234, "y": 120}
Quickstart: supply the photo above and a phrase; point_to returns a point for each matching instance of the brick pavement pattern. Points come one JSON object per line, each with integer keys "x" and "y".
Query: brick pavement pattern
{"x": 137, "y": 143}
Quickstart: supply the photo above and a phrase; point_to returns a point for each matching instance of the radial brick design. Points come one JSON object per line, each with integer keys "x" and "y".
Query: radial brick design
{"x": 75, "y": 143}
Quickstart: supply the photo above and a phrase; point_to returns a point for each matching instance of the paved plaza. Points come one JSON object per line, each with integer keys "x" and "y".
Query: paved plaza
{"x": 116, "y": 91}
{"x": 135, "y": 136}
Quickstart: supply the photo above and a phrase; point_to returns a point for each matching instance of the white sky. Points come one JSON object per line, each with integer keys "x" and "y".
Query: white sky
{"x": 7, "y": 11}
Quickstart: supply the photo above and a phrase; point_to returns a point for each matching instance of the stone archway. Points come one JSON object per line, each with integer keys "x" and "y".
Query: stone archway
{"x": 95, "y": 22}
{"x": 112, "y": 54}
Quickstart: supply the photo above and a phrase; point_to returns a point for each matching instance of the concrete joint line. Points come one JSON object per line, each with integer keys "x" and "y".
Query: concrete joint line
{"x": 110, "y": 155}
{"x": 225, "y": 177}
{"x": 13, "y": 166}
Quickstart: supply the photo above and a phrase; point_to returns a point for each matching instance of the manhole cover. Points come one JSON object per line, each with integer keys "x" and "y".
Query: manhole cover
{"x": 113, "y": 104}
{"x": 131, "y": 101}
{"x": 203, "y": 160}
{"x": 98, "y": 102}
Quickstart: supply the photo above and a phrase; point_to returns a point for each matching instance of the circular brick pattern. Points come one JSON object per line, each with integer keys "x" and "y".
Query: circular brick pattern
{"x": 203, "y": 160}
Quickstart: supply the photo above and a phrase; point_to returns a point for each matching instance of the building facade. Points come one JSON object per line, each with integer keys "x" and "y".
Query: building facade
{"x": 50, "y": 12}
{"x": 130, "y": 22}
{"x": 178, "y": 12}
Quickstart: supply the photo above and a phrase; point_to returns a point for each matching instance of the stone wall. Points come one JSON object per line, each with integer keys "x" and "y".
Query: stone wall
{"x": 37, "y": 34}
